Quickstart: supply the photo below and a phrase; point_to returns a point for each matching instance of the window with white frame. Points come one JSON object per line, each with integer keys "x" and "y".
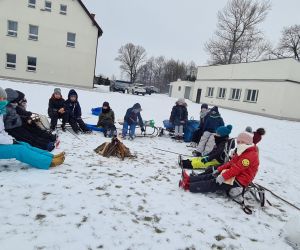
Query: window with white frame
{"x": 71, "y": 39}
{"x": 11, "y": 60}
{"x": 12, "y": 28}
{"x": 48, "y": 6}
{"x": 221, "y": 93}
{"x": 31, "y": 3}
{"x": 63, "y": 9}
{"x": 235, "y": 94}
{"x": 33, "y": 32}
{"x": 31, "y": 63}
{"x": 251, "y": 95}
{"x": 209, "y": 92}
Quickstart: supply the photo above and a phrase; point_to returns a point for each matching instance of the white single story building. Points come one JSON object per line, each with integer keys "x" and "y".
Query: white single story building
{"x": 48, "y": 41}
{"x": 268, "y": 88}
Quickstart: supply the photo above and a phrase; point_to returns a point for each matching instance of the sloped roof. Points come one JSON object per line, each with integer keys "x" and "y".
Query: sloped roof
{"x": 100, "y": 31}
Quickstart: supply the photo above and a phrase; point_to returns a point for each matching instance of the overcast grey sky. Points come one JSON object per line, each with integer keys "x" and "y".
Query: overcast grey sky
{"x": 173, "y": 28}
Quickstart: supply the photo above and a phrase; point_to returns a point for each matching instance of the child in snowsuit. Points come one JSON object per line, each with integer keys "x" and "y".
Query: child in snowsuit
{"x": 10, "y": 148}
{"x": 106, "y": 120}
{"x": 56, "y": 109}
{"x": 179, "y": 117}
{"x": 14, "y": 125}
{"x": 199, "y": 132}
{"x": 217, "y": 156}
{"x": 131, "y": 119}
{"x": 73, "y": 109}
{"x": 239, "y": 171}
{"x": 212, "y": 122}
{"x": 28, "y": 122}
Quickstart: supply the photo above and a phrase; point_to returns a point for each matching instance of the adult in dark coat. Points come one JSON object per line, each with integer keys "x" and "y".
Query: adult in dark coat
{"x": 179, "y": 117}
{"x": 73, "y": 109}
{"x": 56, "y": 109}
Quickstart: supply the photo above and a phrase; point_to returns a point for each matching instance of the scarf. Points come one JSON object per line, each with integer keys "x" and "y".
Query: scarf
{"x": 3, "y": 105}
{"x": 241, "y": 148}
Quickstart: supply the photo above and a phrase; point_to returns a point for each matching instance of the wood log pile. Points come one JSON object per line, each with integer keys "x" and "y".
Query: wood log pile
{"x": 114, "y": 148}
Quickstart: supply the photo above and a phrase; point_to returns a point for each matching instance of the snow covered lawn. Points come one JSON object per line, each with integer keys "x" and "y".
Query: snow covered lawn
{"x": 91, "y": 202}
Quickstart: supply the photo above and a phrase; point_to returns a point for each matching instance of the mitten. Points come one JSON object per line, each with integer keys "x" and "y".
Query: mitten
{"x": 220, "y": 179}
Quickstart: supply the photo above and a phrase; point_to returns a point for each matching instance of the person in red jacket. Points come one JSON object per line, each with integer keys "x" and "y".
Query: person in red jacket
{"x": 240, "y": 170}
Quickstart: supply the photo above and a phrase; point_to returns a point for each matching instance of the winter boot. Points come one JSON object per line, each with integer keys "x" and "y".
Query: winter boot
{"x": 186, "y": 164}
{"x": 56, "y": 161}
{"x": 60, "y": 155}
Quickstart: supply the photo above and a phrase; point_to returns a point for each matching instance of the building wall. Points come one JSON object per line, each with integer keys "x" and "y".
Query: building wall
{"x": 56, "y": 63}
{"x": 290, "y": 106}
{"x": 178, "y": 89}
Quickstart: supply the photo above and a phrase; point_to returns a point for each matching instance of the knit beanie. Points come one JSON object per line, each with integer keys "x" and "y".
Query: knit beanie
{"x": 257, "y": 135}
{"x": 181, "y": 101}
{"x": 3, "y": 93}
{"x": 57, "y": 91}
{"x": 245, "y": 137}
{"x": 204, "y": 106}
{"x": 224, "y": 130}
{"x": 12, "y": 95}
{"x": 105, "y": 104}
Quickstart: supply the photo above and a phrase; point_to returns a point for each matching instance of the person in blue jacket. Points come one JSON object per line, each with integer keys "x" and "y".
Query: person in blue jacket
{"x": 207, "y": 141}
{"x": 73, "y": 110}
{"x": 131, "y": 119}
{"x": 12, "y": 149}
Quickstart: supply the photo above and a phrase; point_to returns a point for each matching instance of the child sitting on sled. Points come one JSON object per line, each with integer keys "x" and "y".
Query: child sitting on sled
{"x": 219, "y": 153}
{"x": 239, "y": 171}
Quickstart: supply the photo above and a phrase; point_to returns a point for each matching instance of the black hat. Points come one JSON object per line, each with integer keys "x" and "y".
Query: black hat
{"x": 105, "y": 104}
{"x": 204, "y": 106}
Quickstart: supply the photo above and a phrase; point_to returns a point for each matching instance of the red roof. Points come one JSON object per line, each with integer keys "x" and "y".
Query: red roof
{"x": 100, "y": 31}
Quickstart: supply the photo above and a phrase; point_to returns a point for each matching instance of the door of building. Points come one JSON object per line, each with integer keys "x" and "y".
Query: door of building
{"x": 187, "y": 92}
{"x": 198, "y": 95}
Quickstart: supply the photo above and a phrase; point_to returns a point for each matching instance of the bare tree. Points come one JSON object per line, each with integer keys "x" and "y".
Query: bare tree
{"x": 290, "y": 42}
{"x": 131, "y": 57}
{"x": 237, "y": 31}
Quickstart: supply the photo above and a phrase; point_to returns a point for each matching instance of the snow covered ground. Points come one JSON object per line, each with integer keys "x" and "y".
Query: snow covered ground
{"x": 91, "y": 202}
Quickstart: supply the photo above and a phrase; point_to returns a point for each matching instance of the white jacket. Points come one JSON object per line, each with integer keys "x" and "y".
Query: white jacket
{"x": 4, "y": 137}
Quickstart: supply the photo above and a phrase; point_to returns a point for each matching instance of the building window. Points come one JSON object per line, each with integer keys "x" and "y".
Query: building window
{"x": 31, "y": 63}
{"x": 63, "y": 9}
{"x": 221, "y": 93}
{"x": 235, "y": 94}
{"x": 251, "y": 95}
{"x": 179, "y": 88}
{"x": 31, "y": 3}
{"x": 209, "y": 92}
{"x": 33, "y": 32}
{"x": 71, "y": 39}
{"x": 12, "y": 28}
{"x": 48, "y": 6}
{"x": 11, "y": 60}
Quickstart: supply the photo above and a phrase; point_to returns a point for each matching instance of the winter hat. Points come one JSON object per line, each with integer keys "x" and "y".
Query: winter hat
{"x": 105, "y": 104}
{"x": 214, "y": 109}
{"x": 257, "y": 135}
{"x": 204, "y": 106}
{"x": 181, "y": 101}
{"x": 224, "y": 130}
{"x": 72, "y": 92}
{"x": 137, "y": 106}
{"x": 248, "y": 129}
{"x": 12, "y": 95}
{"x": 245, "y": 137}
{"x": 3, "y": 93}
{"x": 21, "y": 96}
{"x": 57, "y": 91}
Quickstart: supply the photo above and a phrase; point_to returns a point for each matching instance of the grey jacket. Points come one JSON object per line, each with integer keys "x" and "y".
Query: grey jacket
{"x": 11, "y": 118}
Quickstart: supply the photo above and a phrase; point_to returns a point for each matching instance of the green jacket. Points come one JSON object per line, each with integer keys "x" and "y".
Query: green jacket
{"x": 106, "y": 119}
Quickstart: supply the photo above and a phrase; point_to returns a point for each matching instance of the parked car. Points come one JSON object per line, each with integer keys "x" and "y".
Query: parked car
{"x": 120, "y": 86}
{"x": 137, "y": 89}
{"x": 151, "y": 89}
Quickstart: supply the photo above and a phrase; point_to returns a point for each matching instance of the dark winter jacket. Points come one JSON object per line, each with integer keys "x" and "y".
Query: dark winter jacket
{"x": 25, "y": 115}
{"x": 73, "y": 108}
{"x": 243, "y": 167}
{"x": 179, "y": 114}
{"x": 213, "y": 120}
{"x": 106, "y": 119}
{"x": 55, "y": 105}
{"x": 11, "y": 118}
{"x": 132, "y": 117}
{"x": 218, "y": 151}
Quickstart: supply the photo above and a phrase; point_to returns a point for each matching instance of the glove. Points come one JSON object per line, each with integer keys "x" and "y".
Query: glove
{"x": 142, "y": 129}
{"x": 220, "y": 179}
{"x": 204, "y": 160}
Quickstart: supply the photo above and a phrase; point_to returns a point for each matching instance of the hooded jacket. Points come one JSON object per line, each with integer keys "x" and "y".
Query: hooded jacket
{"x": 73, "y": 108}
{"x": 55, "y": 105}
{"x": 132, "y": 117}
{"x": 11, "y": 118}
{"x": 218, "y": 151}
{"x": 179, "y": 113}
{"x": 213, "y": 120}
{"x": 106, "y": 118}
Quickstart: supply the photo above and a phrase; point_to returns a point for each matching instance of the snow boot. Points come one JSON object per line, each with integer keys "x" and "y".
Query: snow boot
{"x": 56, "y": 161}
{"x": 60, "y": 155}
